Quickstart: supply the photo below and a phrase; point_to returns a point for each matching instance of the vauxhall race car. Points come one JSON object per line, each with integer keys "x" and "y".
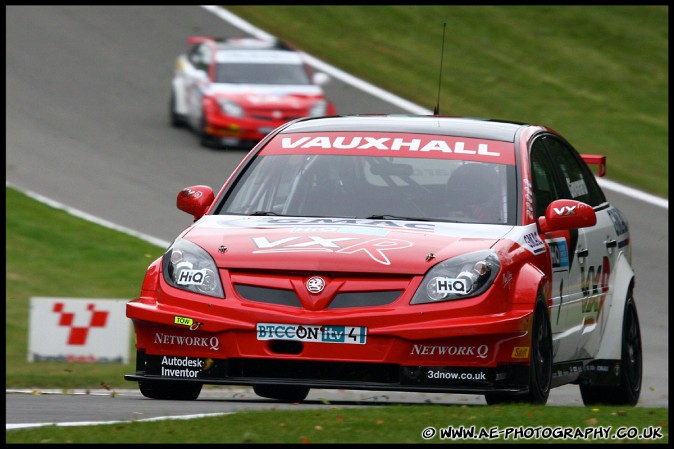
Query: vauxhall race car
{"x": 397, "y": 253}
{"x": 232, "y": 92}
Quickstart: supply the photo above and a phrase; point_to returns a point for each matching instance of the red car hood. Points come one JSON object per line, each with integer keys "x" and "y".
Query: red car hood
{"x": 337, "y": 244}
{"x": 286, "y": 97}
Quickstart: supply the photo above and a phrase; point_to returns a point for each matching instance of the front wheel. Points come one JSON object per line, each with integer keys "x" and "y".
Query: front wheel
{"x": 179, "y": 391}
{"x": 628, "y": 390}
{"x": 285, "y": 393}
{"x": 205, "y": 139}
{"x": 540, "y": 363}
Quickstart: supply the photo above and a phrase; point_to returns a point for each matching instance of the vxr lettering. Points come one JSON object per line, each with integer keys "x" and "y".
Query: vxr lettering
{"x": 566, "y": 210}
{"x": 374, "y": 248}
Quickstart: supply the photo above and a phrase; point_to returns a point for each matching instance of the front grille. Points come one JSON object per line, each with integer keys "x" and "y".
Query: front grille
{"x": 308, "y": 370}
{"x": 269, "y": 118}
{"x": 363, "y": 299}
{"x": 340, "y": 301}
{"x": 268, "y": 295}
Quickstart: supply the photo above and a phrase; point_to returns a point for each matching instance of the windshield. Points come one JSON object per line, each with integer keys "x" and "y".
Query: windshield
{"x": 257, "y": 73}
{"x": 375, "y": 187}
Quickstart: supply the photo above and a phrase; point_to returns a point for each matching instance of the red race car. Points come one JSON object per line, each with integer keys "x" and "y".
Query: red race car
{"x": 233, "y": 92}
{"x": 399, "y": 253}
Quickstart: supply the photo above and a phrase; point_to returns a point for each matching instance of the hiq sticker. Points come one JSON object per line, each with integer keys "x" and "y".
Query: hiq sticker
{"x": 450, "y": 285}
{"x": 191, "y": 277}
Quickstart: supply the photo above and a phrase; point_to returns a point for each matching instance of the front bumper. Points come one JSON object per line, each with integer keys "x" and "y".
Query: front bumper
{"x": 334, "y": 375}
{"x": 241, "y": 129}
{"x": 451, "y": 355}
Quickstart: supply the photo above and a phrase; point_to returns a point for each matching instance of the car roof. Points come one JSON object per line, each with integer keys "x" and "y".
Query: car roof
{"x": 253, "y": 50}
{"x": 480, "y": 128}
{"x": 260, "y": 56}
{"x": 250, "y": 43}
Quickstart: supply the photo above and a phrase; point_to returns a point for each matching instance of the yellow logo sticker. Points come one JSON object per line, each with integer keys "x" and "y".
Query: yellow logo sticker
{"x": 183, "y": 320}
{"x": 520, "y": 352}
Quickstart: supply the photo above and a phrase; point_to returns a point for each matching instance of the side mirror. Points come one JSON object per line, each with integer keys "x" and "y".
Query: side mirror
{"x": 195, "y": 200}
{"x": 567, "y": 214}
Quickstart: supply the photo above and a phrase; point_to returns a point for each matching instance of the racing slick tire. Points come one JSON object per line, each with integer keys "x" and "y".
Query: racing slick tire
{"x": 178, "y": 391}
{"x": 540, "y": 362}
{"x": 205, "y": 140}
{"x": 285, "y": 393}
{"x": 631, "y": 364}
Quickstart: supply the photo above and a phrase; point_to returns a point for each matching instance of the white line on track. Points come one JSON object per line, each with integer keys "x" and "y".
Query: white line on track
{"x": 98, "y": 423}
{"x": 93, "y": 423}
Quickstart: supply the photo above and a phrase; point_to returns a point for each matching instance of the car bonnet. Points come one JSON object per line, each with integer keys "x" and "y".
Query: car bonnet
{"x": 337, "y": 244}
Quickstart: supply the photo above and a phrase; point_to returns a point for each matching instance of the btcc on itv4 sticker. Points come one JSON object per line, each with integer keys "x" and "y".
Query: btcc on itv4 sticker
{"x": 316, "y": 333}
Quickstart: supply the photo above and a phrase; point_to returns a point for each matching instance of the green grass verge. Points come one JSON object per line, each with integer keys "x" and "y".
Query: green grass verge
{"x": 597, "y": 74}
{"x": 54, "y": 254}
{"x": 401, "y": 424}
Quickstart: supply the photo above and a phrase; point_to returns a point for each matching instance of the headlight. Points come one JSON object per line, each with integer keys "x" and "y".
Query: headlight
{"x": 188, "y": 267}
{"x": 230, "y": 108}
{"x": 319, "y": 108}
{"x": 458, "y": 278}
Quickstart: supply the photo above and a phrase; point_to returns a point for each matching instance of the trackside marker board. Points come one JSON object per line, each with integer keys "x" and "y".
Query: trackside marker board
{"x": 78, "y": 330}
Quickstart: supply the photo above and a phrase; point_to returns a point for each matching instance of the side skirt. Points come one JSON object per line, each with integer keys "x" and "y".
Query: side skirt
{"x": 586, "y": 372}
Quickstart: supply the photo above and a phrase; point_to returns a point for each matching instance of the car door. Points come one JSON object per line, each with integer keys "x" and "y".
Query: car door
{"x": 562, "y": 245}
{"x": 591, "y": 258}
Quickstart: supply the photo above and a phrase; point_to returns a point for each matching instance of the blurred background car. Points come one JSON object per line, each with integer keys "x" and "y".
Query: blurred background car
{"x": 232, "y": 92}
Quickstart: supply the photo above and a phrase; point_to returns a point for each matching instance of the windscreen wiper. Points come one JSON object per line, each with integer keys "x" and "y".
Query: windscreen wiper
{"x": 394, "y": 217}
{"x": 264, "y": 213}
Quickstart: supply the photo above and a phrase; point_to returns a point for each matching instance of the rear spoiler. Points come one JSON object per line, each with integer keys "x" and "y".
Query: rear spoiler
{"x": 598, "y": 160}
{"x": 253, "y": 42}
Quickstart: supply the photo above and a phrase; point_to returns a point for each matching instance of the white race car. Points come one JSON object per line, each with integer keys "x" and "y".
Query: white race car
{"x": 234, "y": 91}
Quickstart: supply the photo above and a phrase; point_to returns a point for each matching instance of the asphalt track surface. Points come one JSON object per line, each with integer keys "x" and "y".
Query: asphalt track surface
{"x": 87, "y": 91}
